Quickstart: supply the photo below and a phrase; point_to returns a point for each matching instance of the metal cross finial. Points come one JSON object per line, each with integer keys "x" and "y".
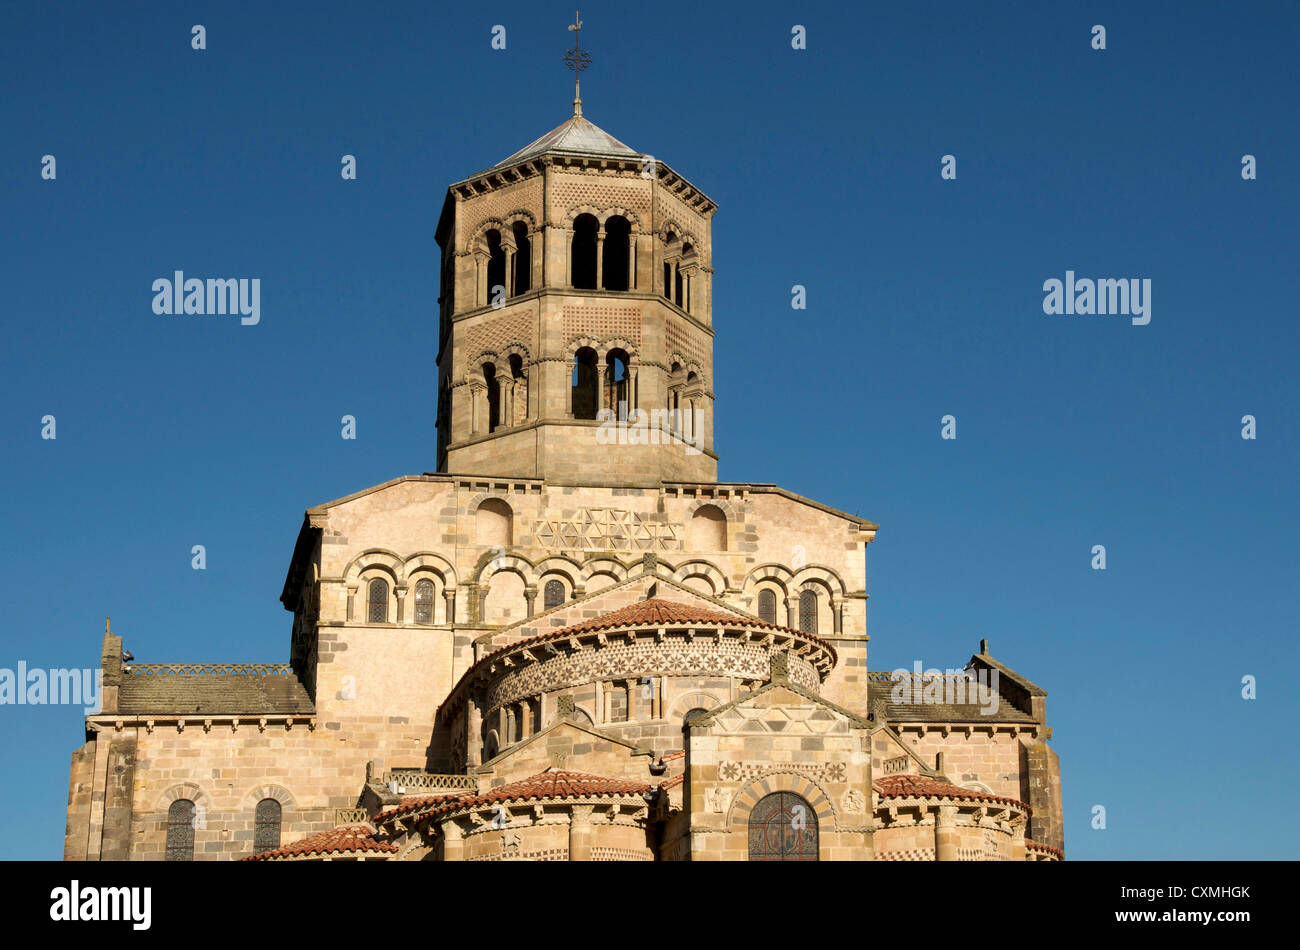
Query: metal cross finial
{"x": 577, "y": 59}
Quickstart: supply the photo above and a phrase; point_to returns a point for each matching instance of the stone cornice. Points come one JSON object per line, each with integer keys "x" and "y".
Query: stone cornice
{"x": 151, "y": 721}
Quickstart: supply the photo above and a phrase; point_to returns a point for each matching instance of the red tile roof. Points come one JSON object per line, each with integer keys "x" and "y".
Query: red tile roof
{"x": 345, "y": 839}
{"x": 656, "y": 612}
{"x": 920, "y": 786}
{"x": 552, "y": 784}
{"x": 562, "y": 783}
{"x": 409, "y": 805}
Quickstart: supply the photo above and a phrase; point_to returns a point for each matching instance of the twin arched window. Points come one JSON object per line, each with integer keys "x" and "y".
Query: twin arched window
{"x": 181, "y": 821}
{"x": 601, "y": 260}
{"x": 510, "y": 262}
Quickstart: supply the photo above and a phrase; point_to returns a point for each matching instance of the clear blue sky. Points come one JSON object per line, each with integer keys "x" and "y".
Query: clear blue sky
{"x": 924, "y": 298}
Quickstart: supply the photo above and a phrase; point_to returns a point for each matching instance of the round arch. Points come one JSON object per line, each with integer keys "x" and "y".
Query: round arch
{"x": 716, "y": 579}
{"x": 429, "y": 562}
{"x": 696, "y": 699}
{"x": 743, "y": 802}
{"x": 389, "y": 562}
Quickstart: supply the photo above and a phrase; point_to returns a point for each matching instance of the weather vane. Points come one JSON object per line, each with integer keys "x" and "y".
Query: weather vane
{"x": 577, "y": 59}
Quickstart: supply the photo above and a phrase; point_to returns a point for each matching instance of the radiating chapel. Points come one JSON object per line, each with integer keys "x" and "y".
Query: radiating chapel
{"x": 570, "y": 642}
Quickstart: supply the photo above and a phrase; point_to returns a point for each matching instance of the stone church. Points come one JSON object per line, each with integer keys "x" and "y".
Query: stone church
{"x": 571, "y": 641}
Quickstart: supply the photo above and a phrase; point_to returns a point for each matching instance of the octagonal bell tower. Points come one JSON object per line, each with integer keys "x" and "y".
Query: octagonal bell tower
{"x": 576, "y": 317}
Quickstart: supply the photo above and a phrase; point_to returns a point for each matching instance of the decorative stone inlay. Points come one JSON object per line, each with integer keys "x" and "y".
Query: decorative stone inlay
{"x": 854, "y": 802}
{"x": 744, "y": 771}
{"x": 676, "y": 655}
{"x": 606, "y": 529}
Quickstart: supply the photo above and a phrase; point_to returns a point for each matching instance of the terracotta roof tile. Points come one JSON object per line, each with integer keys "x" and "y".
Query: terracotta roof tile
{"x": 409, "y": 805}
{"x": 552, "y": 784}
{"x": 562, "y": 783}
{"x": 656, "y": 612}
{"x": 907, "y": 786}
{"x": 345, "y": 839}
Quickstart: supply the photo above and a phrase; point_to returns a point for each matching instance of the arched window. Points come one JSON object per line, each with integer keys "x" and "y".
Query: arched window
{"x": 424, "y": 600}
{"x": 689, "y": 422}
{"x": 553, "y": 594}
{"x": 616, "y": 394}
{"x": 675, "y": 379}
{"x": 782, "y": 827}
{"x": 695, "y": 713}
{"x": 266, "y": 826}
{"x": 180, "y": 830}
{"x": 493, "y": 396}
{"x": 377, "y": 601}
{"x": 808, "y": 612}
{"x": 517, "y": 411}
{"x": 684, "y": 286}
{"x": 496, "y": 265}
{"x": 523, "y": 259}
{"x": 615, "y": 264}
{"x": 767, "y": 605}
{"x": 584, "y": 251}
{"x": 584, "y": 384}
{"x": 670, "y": 249}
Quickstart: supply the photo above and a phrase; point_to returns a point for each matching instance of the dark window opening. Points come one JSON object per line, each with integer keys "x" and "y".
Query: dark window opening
{"x": 493, "y": 396}
{"x": 496, "y": 264}
{"x": 584, "y": 251}
{"x": 523, "y": 259}
{"x": 615, "y": 263}
{"x": 584, "y": 384}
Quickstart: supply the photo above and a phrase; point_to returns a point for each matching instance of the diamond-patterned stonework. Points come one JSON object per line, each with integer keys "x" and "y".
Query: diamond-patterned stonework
{"x": 606, "y": 529}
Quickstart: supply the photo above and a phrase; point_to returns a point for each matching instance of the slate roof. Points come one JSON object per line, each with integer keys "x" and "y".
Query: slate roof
{"x": 881, "y": 687}
{"x": 576, "y": 136}
{"x": 221, "y": 694}
{"x": 345, "y": 839}
{"x": 921, "y": 786}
